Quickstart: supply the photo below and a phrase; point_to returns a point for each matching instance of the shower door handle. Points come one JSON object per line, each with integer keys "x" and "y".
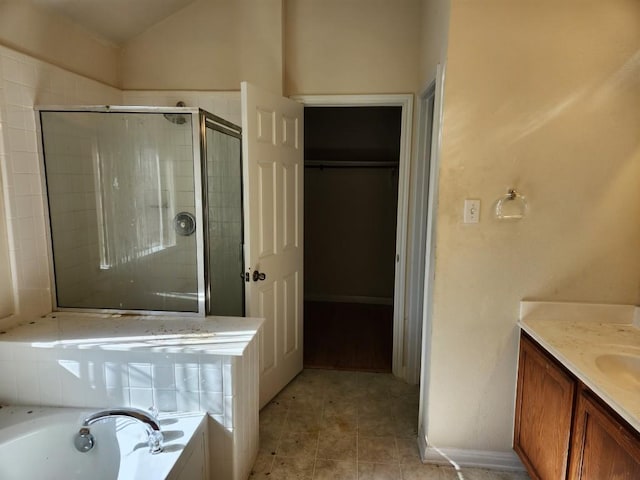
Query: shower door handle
{"x": 258, "y": 275}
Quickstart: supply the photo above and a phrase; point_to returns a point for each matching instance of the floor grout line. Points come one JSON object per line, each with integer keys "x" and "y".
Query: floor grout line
{"x": 357, "y": 446}
{"x": 371, "y": 398}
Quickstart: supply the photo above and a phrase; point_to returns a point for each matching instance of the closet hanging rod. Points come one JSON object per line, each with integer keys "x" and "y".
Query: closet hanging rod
{"x": 348, "y": 164}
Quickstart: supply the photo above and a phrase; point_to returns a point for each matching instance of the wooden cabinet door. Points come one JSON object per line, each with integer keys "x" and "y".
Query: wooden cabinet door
{"x": 603, "y": 448}
{"x": 544, "y": 407}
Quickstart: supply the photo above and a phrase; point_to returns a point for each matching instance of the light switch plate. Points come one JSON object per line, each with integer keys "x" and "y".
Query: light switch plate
{"x": 471, "y": 211}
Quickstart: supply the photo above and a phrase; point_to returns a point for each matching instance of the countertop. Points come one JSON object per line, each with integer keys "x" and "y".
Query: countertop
{"x": 577, "y": 335}
{"x": 212, "y": 335}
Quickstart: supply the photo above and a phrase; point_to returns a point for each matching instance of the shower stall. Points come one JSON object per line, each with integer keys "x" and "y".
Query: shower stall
{"x": 145, "y": 209}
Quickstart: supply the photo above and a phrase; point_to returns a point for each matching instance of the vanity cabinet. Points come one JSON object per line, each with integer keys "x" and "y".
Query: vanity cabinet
{"x": 563, "y": 431}
{"x": 603, "y": 446}
{"x": 544, "y": 407}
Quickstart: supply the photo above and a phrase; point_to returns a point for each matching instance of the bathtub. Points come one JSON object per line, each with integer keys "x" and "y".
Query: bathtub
{"x": 38, "y": 443}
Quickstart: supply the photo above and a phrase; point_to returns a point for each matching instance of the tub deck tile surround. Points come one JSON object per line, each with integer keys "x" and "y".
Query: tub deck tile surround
{"x": 341, "y": 425}
{"x": 209, "y": 335}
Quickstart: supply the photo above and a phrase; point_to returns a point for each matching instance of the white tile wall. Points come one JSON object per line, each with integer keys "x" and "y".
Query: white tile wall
{"x": 24, "y": 83}
{"x": 73, "y": 200}
{"x": 97, "y": 378}
{"x": 240, "y": 380}
{"x": 224, "y": 386}
{"x": 70, "y": 191}
{"x": 171, "y": 380}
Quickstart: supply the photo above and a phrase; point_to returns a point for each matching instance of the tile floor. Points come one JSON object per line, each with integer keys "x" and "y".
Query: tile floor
{"x": 336, "y": 425}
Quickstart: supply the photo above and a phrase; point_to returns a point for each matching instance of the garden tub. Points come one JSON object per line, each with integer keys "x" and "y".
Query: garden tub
{"x": 37, "y": 443}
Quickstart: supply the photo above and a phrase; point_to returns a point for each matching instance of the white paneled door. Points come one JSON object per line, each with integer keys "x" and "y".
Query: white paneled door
{"x": 272, "y": 129}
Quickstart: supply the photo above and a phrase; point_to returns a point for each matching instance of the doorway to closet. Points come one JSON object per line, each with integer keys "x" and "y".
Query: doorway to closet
{"x": 352, "y": 160}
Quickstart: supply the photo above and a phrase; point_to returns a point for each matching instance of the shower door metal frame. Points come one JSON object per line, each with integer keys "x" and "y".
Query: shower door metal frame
{"x": 197, "y": 128}
{"x": 208, "y": 120}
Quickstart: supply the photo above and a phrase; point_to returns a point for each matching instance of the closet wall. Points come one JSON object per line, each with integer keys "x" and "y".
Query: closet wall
{"x": 351, "y": 205}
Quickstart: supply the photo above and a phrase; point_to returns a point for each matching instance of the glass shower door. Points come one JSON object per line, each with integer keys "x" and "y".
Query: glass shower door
{"x": 121, "y": 192}
{"x": 225, "y": 228}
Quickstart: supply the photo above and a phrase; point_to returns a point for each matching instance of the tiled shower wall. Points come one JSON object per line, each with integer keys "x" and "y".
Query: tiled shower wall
{"x": 70, "y": 187}
{"x": 25, "y": 82}
{"x": 224, "y": 218}
{"x": 224, "y": 222}
{"x": 153, "y": 190}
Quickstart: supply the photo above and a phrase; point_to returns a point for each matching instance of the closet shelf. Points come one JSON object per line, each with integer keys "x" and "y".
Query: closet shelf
{"x": 349, "y": 164}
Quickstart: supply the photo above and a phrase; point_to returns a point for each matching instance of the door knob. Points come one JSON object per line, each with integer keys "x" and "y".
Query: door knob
{"x": 258, "y": 276}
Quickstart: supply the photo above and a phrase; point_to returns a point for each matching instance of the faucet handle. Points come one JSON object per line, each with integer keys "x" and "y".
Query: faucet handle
{"x": 156, "y": 441}
{"x": 153, "y": 411}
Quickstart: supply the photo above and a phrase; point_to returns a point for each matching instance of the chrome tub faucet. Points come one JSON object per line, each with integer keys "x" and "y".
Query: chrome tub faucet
{"x": 84, "y": 440}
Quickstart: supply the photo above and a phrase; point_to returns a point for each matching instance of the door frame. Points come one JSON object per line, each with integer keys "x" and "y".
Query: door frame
{"x": 404, "y": 169}
{"x": 430, "y": 257}
{"x": 421, "y": 213}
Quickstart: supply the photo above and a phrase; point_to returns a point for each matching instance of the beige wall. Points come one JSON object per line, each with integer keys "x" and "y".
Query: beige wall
{"x": 343, "y": 47}
{"x": 542, "y": 96}
{"x": 433, "y": 38}
{"x": 353, "y": 46}
{"x": 46, "y": 36}
{"x": 209, "y": 45}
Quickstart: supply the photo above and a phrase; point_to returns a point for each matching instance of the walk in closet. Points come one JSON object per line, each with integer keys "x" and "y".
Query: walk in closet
{"x": 351, "y": 201}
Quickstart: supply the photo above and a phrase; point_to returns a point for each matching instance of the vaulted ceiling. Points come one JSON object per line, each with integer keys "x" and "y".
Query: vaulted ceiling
{"x": 116, "y": 21}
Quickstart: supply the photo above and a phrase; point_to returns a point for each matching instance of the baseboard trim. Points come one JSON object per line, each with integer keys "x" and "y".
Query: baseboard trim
{"x": 348, "y": 299}
{"x": 469, "y": 458}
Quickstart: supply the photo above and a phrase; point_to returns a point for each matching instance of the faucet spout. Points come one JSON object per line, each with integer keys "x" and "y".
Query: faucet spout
{"x": 147, "y": 419}
{"x": 135, "y": 413}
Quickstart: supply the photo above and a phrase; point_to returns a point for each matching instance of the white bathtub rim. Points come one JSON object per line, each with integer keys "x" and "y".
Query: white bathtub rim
{"x": 16, "y": 422}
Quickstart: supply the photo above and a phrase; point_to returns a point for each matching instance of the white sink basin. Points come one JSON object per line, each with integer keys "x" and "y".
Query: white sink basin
{"x": 622, "y": 368}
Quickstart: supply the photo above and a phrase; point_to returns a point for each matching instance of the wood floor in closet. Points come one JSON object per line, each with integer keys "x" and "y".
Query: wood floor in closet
{"x": 348, "y": 336}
